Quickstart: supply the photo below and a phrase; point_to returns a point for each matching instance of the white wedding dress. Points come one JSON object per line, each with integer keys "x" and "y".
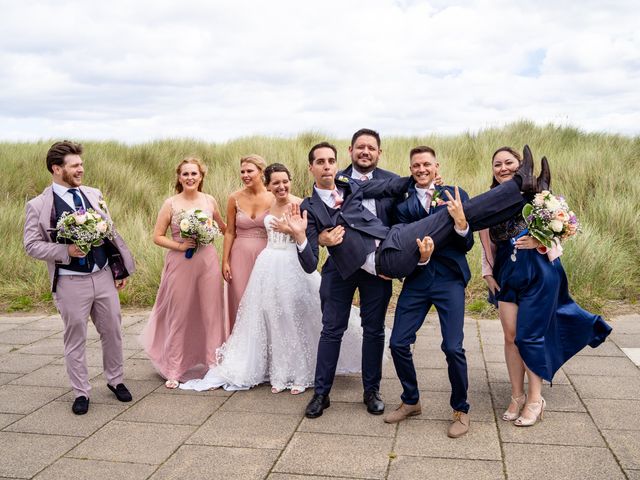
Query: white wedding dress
{"x": 275, "y": 337}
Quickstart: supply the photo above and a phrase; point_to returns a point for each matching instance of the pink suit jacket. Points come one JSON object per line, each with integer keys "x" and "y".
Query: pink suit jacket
{"x": 37, "y": 237}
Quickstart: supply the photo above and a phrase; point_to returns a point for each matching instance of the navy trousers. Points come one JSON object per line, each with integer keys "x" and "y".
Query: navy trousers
{"x": 436, "y": 285}
{"x": 336, "y": 295}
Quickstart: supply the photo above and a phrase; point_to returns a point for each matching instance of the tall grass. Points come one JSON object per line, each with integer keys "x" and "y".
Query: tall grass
{"x": 598, "y": 173}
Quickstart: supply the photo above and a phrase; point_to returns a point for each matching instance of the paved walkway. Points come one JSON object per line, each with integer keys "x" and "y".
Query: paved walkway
{"x": 591, "y": 429}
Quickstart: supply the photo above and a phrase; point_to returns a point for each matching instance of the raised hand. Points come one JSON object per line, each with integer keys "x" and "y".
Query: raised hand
{"x": 454, "y": 206}
{"x": 281, "y": 225}
{"x": 438, "y": 180}
{"x": 425, "y": 246}
{"x": 297, "y": 222}
{"x": 331, "y": 237}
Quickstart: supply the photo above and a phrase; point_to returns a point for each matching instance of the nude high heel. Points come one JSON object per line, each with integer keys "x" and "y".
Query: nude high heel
{"x": 507, "y": 416}
{"x": 537, "y": 408}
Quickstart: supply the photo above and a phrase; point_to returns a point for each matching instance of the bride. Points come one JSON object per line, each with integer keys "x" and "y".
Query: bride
{"x": 275, "y": 337}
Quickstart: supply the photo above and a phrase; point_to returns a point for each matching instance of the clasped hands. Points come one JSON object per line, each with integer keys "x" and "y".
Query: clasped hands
{"x": 75, "y": 252}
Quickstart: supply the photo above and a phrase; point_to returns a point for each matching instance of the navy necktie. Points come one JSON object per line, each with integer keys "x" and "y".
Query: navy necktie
{"x": 77, "y": 201}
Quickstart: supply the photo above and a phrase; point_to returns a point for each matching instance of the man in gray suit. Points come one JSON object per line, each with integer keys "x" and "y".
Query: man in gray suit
{"x": 82, "y": 285}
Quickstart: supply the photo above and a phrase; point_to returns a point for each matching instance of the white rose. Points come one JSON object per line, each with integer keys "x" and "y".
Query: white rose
{"x": 80, "y": 219}
{"x": 538, "y": 200}
{"x": 184, "y": 225}
{"x": 101, "y": 226}
{"x": 556, "y": 225}
{"x": 202, "y": 216}
{"x": 553, "y": 204}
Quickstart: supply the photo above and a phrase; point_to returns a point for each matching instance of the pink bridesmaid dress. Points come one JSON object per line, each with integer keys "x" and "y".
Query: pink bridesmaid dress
{"x": 251, "y": 238}
{"x": 187, "y": 323}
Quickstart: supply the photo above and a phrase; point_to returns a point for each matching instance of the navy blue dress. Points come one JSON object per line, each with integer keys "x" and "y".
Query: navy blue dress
{"x": 551, "y": 328}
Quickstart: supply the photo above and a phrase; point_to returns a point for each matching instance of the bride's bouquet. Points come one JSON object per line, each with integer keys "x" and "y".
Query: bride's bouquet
{"x": 198, "y": 225}
{"x": 549, "y": 219}
{"x": 84, "y": 228}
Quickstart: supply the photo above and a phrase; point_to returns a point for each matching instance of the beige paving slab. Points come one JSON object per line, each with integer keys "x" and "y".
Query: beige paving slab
{"x": 149, "y": 443}
{"x": 626, "y": 446}
{"x": 411, "y": 468}
{"x": 7, "y": 348}
{"x": 590, "y": 386}
{"x": 335, "y": 455}
{"x": 101, "y": 394}
{"x": 260, "y": 399}
{"x": 606, "y": 349}
{"x": 20, "y": 318}
{"x": 51, "y": 376}
{"x": 608, "y": 413}
{"x": 46, "y": 346}
{"x": 628, "y": 323}
{"x": 56, "y": 418}
{"x": 8, "y": 377}
{"x": 174, "y": 409}
{"x": 25, "y": 454}
{"x": 348, "y": 419}
{"x": 428, "y": 438}
{"x": 70, "y": 468}
{"x": 53, "y": 324}
{"x": 557, "y": 428}
{"x": 25, "y": 399}
{"x": 627, "y": 340}
{"x": 23, "y": 363}
{"x": 633, "y": 354}
{"x": 245, "y": 429}
{"x": 138, "y": 369}
{"x": 135, "y": 328}
{"x": 8, "y": 419}
{"x": 291, "y": 476}
{"x": 437, "y": 380}
{"x": 601, "y": 366}
{"x": 492, "y": 338}
{"x": 435, "y": 358}
{"x": 559, "y": 398}
{"x": 633, "y": 474}
{"x": 563, "y": 463}
{"x": 497, "y": 372}
{"x": 94, "y": 356}
{"x": 4, "y": 326}
{"x": 20, "y": 336}
{"x": 349, "y": 389}
{"x": 199, "y": 462}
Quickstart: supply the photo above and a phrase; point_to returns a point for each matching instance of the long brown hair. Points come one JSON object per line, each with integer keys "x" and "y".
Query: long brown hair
{"x": 510, "y": 150}
{"x": 194, "y": 161}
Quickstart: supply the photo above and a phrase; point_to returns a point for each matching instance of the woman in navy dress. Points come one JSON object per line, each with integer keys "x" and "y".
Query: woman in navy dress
{"x": 543, "y": 327}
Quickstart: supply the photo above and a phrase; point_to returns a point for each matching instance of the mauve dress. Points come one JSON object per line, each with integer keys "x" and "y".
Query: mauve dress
{"x": 187, "y": 323}
{"x": 251, "y": 238}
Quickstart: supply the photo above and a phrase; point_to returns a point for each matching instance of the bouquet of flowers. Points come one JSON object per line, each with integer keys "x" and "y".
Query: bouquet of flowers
{"x": 549, "y": 219}
{"x": 85, "y": 228}
{"x": 198, "y": 225}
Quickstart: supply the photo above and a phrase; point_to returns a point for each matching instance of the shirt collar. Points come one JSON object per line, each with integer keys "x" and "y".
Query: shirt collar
{"x": 422, "y": 192}
{"x": 355, "y": 174}
{"x": 60, "y": 190}
{"x": 325, "y": 195}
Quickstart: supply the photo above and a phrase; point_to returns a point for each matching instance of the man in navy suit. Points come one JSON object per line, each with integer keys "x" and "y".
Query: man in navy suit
{"x": 441, "y": 283}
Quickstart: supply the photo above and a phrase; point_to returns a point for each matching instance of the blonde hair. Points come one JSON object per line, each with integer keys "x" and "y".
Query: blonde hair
{"x": 194, "y": 161}
{"x": 256, "y": 160}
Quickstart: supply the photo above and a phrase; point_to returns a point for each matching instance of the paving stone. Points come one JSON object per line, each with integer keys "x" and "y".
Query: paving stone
{"x": 20, "y": 336}
{"x": 51, "y": 376}
{"x": 435, "y": 358}
{"x": 135, "y": 328}
{"x": 8, "y": 419}
{"x": 428, "y": 438}
{"x": 615, "y": 414}
{"x": 150, "y": 443}
{"x": 601, "y": 366}
{"x": 94, "y": 356}
{"x": 23, "y": 363}
{"x": 335, "y": 455}
{"x": 137, "y": 369}
{"x": 606, "y": 349}
{"x": 437, "y": 380}
{"x": 348, "y": 388}
{"x": 492, "y": 338}
{"x": 7, "y": 348}
{"x": 498, "y": 373}
{"x": 179, "y": 410}
{"x": 348, "y": 419}
{"x": 25, "y": 399}
{"x": 245, "y": 429}
{"x": 557, "y": 428}
{"x": 56, "y": 418}
{"x": 7, "y": 326}
{"x": 8, "y": 377}
{"x": 46, "y": 346}
{"x": 632, "y": 474}
{"x": 560, "y": 462}
{"x": 260, "y": 399}
{"x": 559, "y": 398}
{"x": 69, "y": 468}
{"x": 628, "y": 340}
{"x": 25, "y": 454}
{"x": 21, "y": 319}
{"x": 53, "y": 324}
{"x": 493, "y": 353}
{"x": 290, "y": 476}
{"x": 101, "y": 394}
{"x": 591, "y": 386}
{"x": 411, "y": 468}
{"x": 633, "y": 354}
{"x": 625, "y": 446}
{"x": 196, "y": 462}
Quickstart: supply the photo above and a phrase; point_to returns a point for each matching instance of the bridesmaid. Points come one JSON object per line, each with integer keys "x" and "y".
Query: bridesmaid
{"x": 246, "y": 235}
{"x": 186, "y": 325}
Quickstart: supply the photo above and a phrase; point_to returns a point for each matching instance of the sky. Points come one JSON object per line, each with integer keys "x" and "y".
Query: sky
{"x": 136, "y": 71}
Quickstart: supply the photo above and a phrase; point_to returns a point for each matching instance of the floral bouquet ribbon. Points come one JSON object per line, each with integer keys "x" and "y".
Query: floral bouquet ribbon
{"x": 198, "y": 225}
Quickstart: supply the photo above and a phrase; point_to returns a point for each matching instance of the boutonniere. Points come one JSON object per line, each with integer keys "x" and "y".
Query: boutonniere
{"x": 342, "y": 178}
{"x": 436, "y": 199}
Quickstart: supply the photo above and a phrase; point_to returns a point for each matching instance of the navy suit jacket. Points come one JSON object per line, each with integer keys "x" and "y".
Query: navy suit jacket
{"x": 452, "y": 255}
{"x": 362, "y": 228}
{"x": 385, "y": 206}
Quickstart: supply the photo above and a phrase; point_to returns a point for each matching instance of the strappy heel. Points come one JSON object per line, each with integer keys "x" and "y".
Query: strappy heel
{"x": 537, "y": 408}
{"x": 508, "y": 416}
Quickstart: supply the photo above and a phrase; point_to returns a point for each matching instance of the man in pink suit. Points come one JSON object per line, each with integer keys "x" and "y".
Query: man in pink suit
{"x": 83, "y": 286}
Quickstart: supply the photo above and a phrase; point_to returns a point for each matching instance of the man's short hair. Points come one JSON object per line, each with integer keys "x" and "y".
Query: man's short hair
{"x": 321, "y": 145}
{"x": 59, "y": 150}
{"x": 421, "y": 149}
{"x": 366, "y": 131}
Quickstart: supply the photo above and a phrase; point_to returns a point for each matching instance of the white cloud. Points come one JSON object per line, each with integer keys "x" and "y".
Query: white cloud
{"x": 136, "y": 71}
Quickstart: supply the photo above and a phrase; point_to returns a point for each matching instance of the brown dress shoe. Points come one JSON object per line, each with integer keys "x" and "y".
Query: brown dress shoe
{"x": 460, "y": 424}
{"x": 402, "y": 412}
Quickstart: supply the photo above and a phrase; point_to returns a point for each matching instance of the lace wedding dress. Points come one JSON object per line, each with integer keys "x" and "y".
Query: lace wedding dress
{"x": 275, "y": 337}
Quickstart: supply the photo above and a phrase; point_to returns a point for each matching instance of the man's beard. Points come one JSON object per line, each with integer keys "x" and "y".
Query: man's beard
{"x": 70, "y": 179}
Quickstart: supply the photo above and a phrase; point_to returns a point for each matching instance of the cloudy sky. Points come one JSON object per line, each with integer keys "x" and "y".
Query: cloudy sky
{"x": 146, "y": 69}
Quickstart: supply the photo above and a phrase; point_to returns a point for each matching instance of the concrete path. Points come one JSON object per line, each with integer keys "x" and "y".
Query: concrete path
{"x": 591, "y": 428}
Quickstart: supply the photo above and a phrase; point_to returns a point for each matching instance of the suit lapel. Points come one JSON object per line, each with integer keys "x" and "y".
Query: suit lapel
{"x": 320, "y": 210}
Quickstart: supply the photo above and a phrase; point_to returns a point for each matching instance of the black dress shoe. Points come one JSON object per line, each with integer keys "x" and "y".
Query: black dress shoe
{"x": 121, "y": 392}
{"x": 525, "y": 176}
{"x": 80, "y": 405}
{"x": 374, "y": 403}
{"x": 316, "y": 406}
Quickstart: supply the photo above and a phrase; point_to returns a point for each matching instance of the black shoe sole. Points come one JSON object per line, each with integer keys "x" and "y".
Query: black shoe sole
{"x": 376, "y": 412}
